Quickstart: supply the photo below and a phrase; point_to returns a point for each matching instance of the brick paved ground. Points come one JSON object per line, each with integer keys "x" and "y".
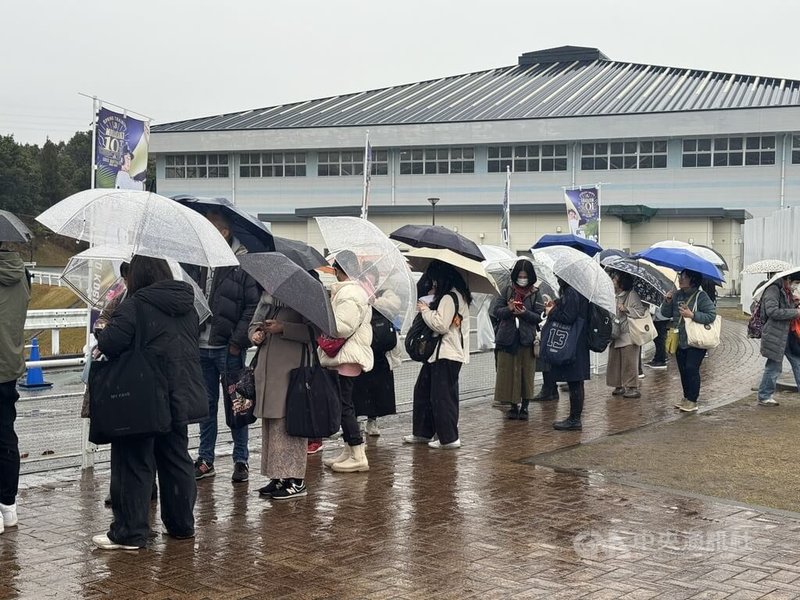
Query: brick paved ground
{"x": 474, "y": 523}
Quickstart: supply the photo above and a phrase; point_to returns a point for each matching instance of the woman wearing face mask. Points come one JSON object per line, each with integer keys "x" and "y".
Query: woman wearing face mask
{"x": 518, "y": 312}
{"x": 778, "y": 338}
{"x": 689, "y": 302}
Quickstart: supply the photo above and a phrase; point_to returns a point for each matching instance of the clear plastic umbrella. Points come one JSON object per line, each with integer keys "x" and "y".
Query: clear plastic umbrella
{"x": 153, "y": 225}
{"x": 583, "y": 273}
{"x": 94, "y": 276}
{"x": 500, "y": 262}
{"x": 376, "y": 263}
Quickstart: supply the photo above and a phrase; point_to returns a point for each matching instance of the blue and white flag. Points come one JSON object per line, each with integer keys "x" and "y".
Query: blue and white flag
{"x": 505, "y": 221}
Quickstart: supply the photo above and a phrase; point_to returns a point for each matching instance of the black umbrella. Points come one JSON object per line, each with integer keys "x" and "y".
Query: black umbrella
{"x": 609, "y": 252}
{"x": 292, "y": 285}
{"x": 250, "y": 232}
{"x": 12, "y": 229}
{"x": 649, "y": 283}
{"x": 436, "y": 236}
{"x": 587, "y": 246}
{"x": 300, "y": 253}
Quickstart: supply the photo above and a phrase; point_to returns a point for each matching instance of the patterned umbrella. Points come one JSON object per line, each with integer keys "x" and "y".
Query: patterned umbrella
{"x": 649, "y": 283}
{"x": 769, "y": 265}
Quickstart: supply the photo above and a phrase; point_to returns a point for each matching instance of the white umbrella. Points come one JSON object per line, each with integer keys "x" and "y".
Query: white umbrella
{"x": 376, "y": 258}
{"x": 769, "y": 265}
{"x": 475, "y": 276}
{"x": 712, "y": 256}
{"x": 777, "y": 277}
{"x": 94, "y": 277}
{"x": 583, "y": 273}
{"x": 153, "y": 225}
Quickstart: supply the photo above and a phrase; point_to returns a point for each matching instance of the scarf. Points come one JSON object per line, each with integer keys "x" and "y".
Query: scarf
{"x": 521, "y": 293}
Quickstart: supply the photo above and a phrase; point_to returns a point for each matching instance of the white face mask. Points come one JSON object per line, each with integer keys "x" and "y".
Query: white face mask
{"x": 522, "y": 281}
{"x": 795, "y": 287}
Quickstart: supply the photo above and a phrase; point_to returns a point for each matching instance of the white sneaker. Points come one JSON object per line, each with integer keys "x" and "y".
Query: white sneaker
{"x": 415, "y": 439}
{"x": 9, "y": 514}
{"x": 451, "y": 445}
{"x": 641, "y": 375}
{"x": 372, "y": 427}
{"x": 768, "y": 402}
{"x": 102, "y": 542}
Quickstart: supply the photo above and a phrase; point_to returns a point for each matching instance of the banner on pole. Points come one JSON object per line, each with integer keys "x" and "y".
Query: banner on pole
{"x": 583, "y": 212}
{"x": 121, "y": 146}
{"x": 505, "y": 221}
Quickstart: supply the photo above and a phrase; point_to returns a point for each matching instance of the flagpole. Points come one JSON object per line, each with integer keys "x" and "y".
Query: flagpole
{"x": 508, "y": 208}
{"x": 367, "y": 175}
{"x": 94, "y": 140}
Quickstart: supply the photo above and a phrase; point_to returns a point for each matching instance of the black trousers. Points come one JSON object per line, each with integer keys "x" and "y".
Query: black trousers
{"x": 549, "y": 384}
{"x": 9, "y": 444}
{"x": 576, "y": 395}
{"x": 689, "y": 360}
{"x": 350, "y": 431}
{"x": 436, "y": 401}
{"x": 661, "y": 341}
{"x": 133, "y": 469}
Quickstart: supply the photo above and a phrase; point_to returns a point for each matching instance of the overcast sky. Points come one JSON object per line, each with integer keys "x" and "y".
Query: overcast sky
{"x": 178, "y": 59}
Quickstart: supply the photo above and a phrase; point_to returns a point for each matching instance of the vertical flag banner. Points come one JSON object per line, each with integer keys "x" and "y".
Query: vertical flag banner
{"x": 121, "y": 146}
{"x": 505, "y": 221}
{"x": 367, "y": 177}
{"x": 583, "y": 212}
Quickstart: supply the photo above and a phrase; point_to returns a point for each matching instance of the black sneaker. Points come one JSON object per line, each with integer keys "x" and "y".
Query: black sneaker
{"x": 656, "y": 365}
{"x": 523, "y": 414}
{"x": 203, "y": 469}
{"x": 241, "y": 472}
{"x": 270, "y": 488}
{"x": 513, "y": 412}
{"x": 545, "y": 397}
{"x": 568, "y": 424}
{"x": 291, "y": 489}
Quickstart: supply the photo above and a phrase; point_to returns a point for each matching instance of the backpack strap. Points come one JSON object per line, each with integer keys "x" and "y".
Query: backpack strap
{"x": 455, "y": 316}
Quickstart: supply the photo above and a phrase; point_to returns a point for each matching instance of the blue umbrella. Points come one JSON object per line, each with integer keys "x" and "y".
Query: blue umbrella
{"x": 589, "y": 247}
{"x": 250, "y": 232}
{"x": 680, "y": 259}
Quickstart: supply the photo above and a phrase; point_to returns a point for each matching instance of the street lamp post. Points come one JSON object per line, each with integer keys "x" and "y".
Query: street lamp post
{"x": 433, "y": 202}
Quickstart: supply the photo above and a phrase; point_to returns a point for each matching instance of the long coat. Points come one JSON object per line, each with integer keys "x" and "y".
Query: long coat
{"x": 779, "y": 313}
{"x": 277, "y": 355}
{"x": 635, "y": 310}
{"x": 568, "y": 308}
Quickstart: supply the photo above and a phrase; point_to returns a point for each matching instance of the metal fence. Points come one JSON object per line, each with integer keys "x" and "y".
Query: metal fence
{"x": 46, "y": 278}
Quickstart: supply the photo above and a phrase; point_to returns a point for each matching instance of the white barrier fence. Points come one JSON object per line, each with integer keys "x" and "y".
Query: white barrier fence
{"x": 54, "y": 320}
{"x": 47, "y": 278}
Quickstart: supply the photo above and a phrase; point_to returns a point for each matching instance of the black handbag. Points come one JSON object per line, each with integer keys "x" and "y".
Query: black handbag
{"x": 129, "y": 395}
{"x": 313, "y": 399}
{"x": 239, "y": 395}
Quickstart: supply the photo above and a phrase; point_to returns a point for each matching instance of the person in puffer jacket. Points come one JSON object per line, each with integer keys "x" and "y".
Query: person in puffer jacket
{"x": 353, "y": 315}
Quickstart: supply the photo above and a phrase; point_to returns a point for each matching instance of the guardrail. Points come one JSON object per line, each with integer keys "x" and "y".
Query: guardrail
{"x": 54, "y": 320}
{"x": 46, "y": 278}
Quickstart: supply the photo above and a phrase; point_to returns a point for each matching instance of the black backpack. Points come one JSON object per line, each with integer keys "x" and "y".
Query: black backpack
{"x": 421, "y": 340}
{"x": 599, "y": 328}
{"x": 384, "y": 335}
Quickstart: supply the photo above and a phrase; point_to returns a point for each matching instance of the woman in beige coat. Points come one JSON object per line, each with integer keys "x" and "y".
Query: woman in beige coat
{"x": 622, "y": 372}
{"x": 280, "y": 333}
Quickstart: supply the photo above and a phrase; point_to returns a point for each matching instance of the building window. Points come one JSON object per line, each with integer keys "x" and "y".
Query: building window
{"x": 528, "y": 158}
{"x": 196, "y": 166}
{"x": 418, "y": 161}
{"x": 273, "y": 164}
{"x": 599, "y": 156}
{"x": 796, "y": 150}
{"x": 729, "y": 151}
{"x": 351, "y": 162}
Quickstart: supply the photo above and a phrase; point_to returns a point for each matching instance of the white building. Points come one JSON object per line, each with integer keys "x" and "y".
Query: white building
{"x": 681, "y": 153}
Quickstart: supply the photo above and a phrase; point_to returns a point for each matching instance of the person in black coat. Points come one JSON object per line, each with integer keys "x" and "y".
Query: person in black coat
{"x": 171, "y": 331}
{"x": 567, "y": 309}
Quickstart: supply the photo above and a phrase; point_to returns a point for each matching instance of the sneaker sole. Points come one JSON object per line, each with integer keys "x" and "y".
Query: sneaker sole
{"x": 302, "y": 494}
{"x": 767, "y": 404}
{"x": 358, "y": 470}
{"x": 204, "y": 476}
{"x": 688, "y": 410}
{"x": 657, "y": 368}
{"x": 245, "y": 480}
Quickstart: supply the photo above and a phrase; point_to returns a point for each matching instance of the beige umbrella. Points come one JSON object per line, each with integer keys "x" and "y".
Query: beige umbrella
{"x": 476, "y": 277}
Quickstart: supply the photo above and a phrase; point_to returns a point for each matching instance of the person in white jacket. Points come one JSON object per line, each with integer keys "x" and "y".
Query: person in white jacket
{"x": 436, "y": 393}
{"x": 353, "y": 314}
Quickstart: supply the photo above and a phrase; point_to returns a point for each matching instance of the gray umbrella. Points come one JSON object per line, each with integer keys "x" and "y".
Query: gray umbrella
{"x": 12, "y": 229}
{"x": 292, "y": 285}
{"x": 300, "y": 253}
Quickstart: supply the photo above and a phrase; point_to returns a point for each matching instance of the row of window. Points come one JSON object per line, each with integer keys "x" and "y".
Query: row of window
{"x": 595, "y": 156}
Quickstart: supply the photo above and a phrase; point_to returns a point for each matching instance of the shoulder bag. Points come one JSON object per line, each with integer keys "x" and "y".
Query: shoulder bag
{"x": 642, "y": 330}
{"x": 129, "y": 395}
{"x": 703, "y": 336}
{"x": 559, "y": 342}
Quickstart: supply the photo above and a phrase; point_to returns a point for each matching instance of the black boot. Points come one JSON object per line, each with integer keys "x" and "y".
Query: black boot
{"x": 568, "y": 424}
{"x": 513, "y": 412}
{"x": 546, "y": 395}
{"x": 523, "y": 410}
{"x": 573, "y": 423}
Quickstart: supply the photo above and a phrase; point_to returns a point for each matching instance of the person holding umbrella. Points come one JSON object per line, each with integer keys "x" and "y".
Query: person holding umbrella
{"x": 352, "y": 313}
{"x": 445, "y": 309}
{"x": 567, "y": 309}
{"x": 519, "y": 312}
{"x": 689, "y": 302}
{"x": 623, "y": 353}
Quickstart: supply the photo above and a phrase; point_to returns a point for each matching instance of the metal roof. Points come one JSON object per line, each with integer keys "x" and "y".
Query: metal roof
{"x": 554, "y": 86}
